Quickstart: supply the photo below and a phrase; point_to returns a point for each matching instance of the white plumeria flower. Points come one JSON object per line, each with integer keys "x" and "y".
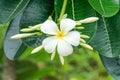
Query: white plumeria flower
{"x": 62, "y": 38}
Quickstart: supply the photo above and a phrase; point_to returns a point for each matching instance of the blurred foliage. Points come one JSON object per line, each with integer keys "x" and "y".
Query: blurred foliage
{"x": 81, "y": 65}
{"x": 85, "y": 65}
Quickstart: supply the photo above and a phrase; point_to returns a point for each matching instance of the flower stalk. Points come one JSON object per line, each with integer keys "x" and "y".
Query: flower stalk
{"x": 63, "y": 10}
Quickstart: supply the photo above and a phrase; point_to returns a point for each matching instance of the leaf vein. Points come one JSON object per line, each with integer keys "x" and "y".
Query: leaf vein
{"x": 107, "y": 34}
{"x": 17, "y": 8}
{"x": 102, "y": 6}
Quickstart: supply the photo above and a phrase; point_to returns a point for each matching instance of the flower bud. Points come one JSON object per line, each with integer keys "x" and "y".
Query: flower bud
{"x": 86, "y": 46}
{"x": 53, "y": 55}
{"x": 19, "y": 36}
{"x": 36, "y": 27}
{"x": 79, "y": 28}
{"x": 89, "y": 20}
{"x": 50, "y": 18}
{"x": 82, "y": 40}
{"x": 84, "y": 36}
{"x": 61, "y": 59}
{"x": 64, "y": 16}
{"x": 37, "y": 49}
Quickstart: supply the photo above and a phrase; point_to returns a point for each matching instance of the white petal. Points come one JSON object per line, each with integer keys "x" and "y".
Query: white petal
{"x": 67, "y": 25}
{"x": 73, "y": 38}
{"x": 49, "y": 27}
{"x": 49, "y": 44}
{"x": 64, "y": 48}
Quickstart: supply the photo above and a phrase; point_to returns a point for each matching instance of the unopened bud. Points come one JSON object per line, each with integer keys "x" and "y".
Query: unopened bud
{"x": 84, "y": 36}
{"x": 49, "y": 18}
{"x": 37, "y": 49}
{"x": 79, "y": 28}
{"x": 64, "y": 16}
{"x": 19, "y": 36}
{"x": 82, "y": 40}
{"x": 89, "y": 20}
{"x": 31, "y": 28}
{"x": 53, "y": 55}
{"x": 86, "y": 46}
{"x": 61, "y": 59}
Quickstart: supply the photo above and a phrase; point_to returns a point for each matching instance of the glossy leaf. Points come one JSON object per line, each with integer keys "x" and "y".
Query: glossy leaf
{"x": 77, "y": 10}
{"x": 112, "y": 65}
{"x": 107, "y": 37}
{"x": 13, "y": 48}
{"x": 10, "y": 8}
{"x": 37, "y": 12}
{"x": 106, "y": 8}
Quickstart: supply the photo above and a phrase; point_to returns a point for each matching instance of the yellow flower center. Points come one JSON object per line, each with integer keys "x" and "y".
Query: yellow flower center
{"x": 60, "y": 35}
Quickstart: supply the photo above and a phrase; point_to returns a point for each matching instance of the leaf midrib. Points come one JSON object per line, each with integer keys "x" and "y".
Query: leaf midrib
{"x": 105, "y": 26}
{"x": 101, "y": 6}
{"x": 17, "y": 8}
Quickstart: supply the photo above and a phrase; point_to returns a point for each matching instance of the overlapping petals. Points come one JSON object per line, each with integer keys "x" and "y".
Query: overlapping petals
{"x": 64, "y": 48}
{"x": 50, "y": 43}
{"x": 64, "y": 45}
{"x": 73, "y": 38}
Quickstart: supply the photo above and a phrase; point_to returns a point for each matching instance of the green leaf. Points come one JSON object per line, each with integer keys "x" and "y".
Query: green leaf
{"x": 107, "y": 37}
{"x": 13, "y": 48}
{"x": 112, "y": 65}
{"x": 106, "y": 8}
{"x": 77, "y": 10}
{"x": 3, "y": 29}
{"x": 10, "y": 8}
{"x": 37, "y": 12}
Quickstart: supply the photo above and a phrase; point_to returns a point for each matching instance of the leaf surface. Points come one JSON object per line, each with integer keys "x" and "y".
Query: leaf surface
{"x": 106, "y": 8}
{"x": 13, "y": 48}
{"x": 37, "y": 12}
{"x": 107, "y": 37}
{"x": 112, "y": 65}
{"x": 9, "y": 9}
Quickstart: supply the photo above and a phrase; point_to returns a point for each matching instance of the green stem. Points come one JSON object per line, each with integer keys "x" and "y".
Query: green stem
{"x": 63, "y": 10}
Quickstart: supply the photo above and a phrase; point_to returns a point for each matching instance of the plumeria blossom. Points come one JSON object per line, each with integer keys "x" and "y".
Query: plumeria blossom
{"x": 61, "y": 38}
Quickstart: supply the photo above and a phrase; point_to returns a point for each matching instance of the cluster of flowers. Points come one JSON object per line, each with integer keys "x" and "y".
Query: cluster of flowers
{"x": 61, "y": 37}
